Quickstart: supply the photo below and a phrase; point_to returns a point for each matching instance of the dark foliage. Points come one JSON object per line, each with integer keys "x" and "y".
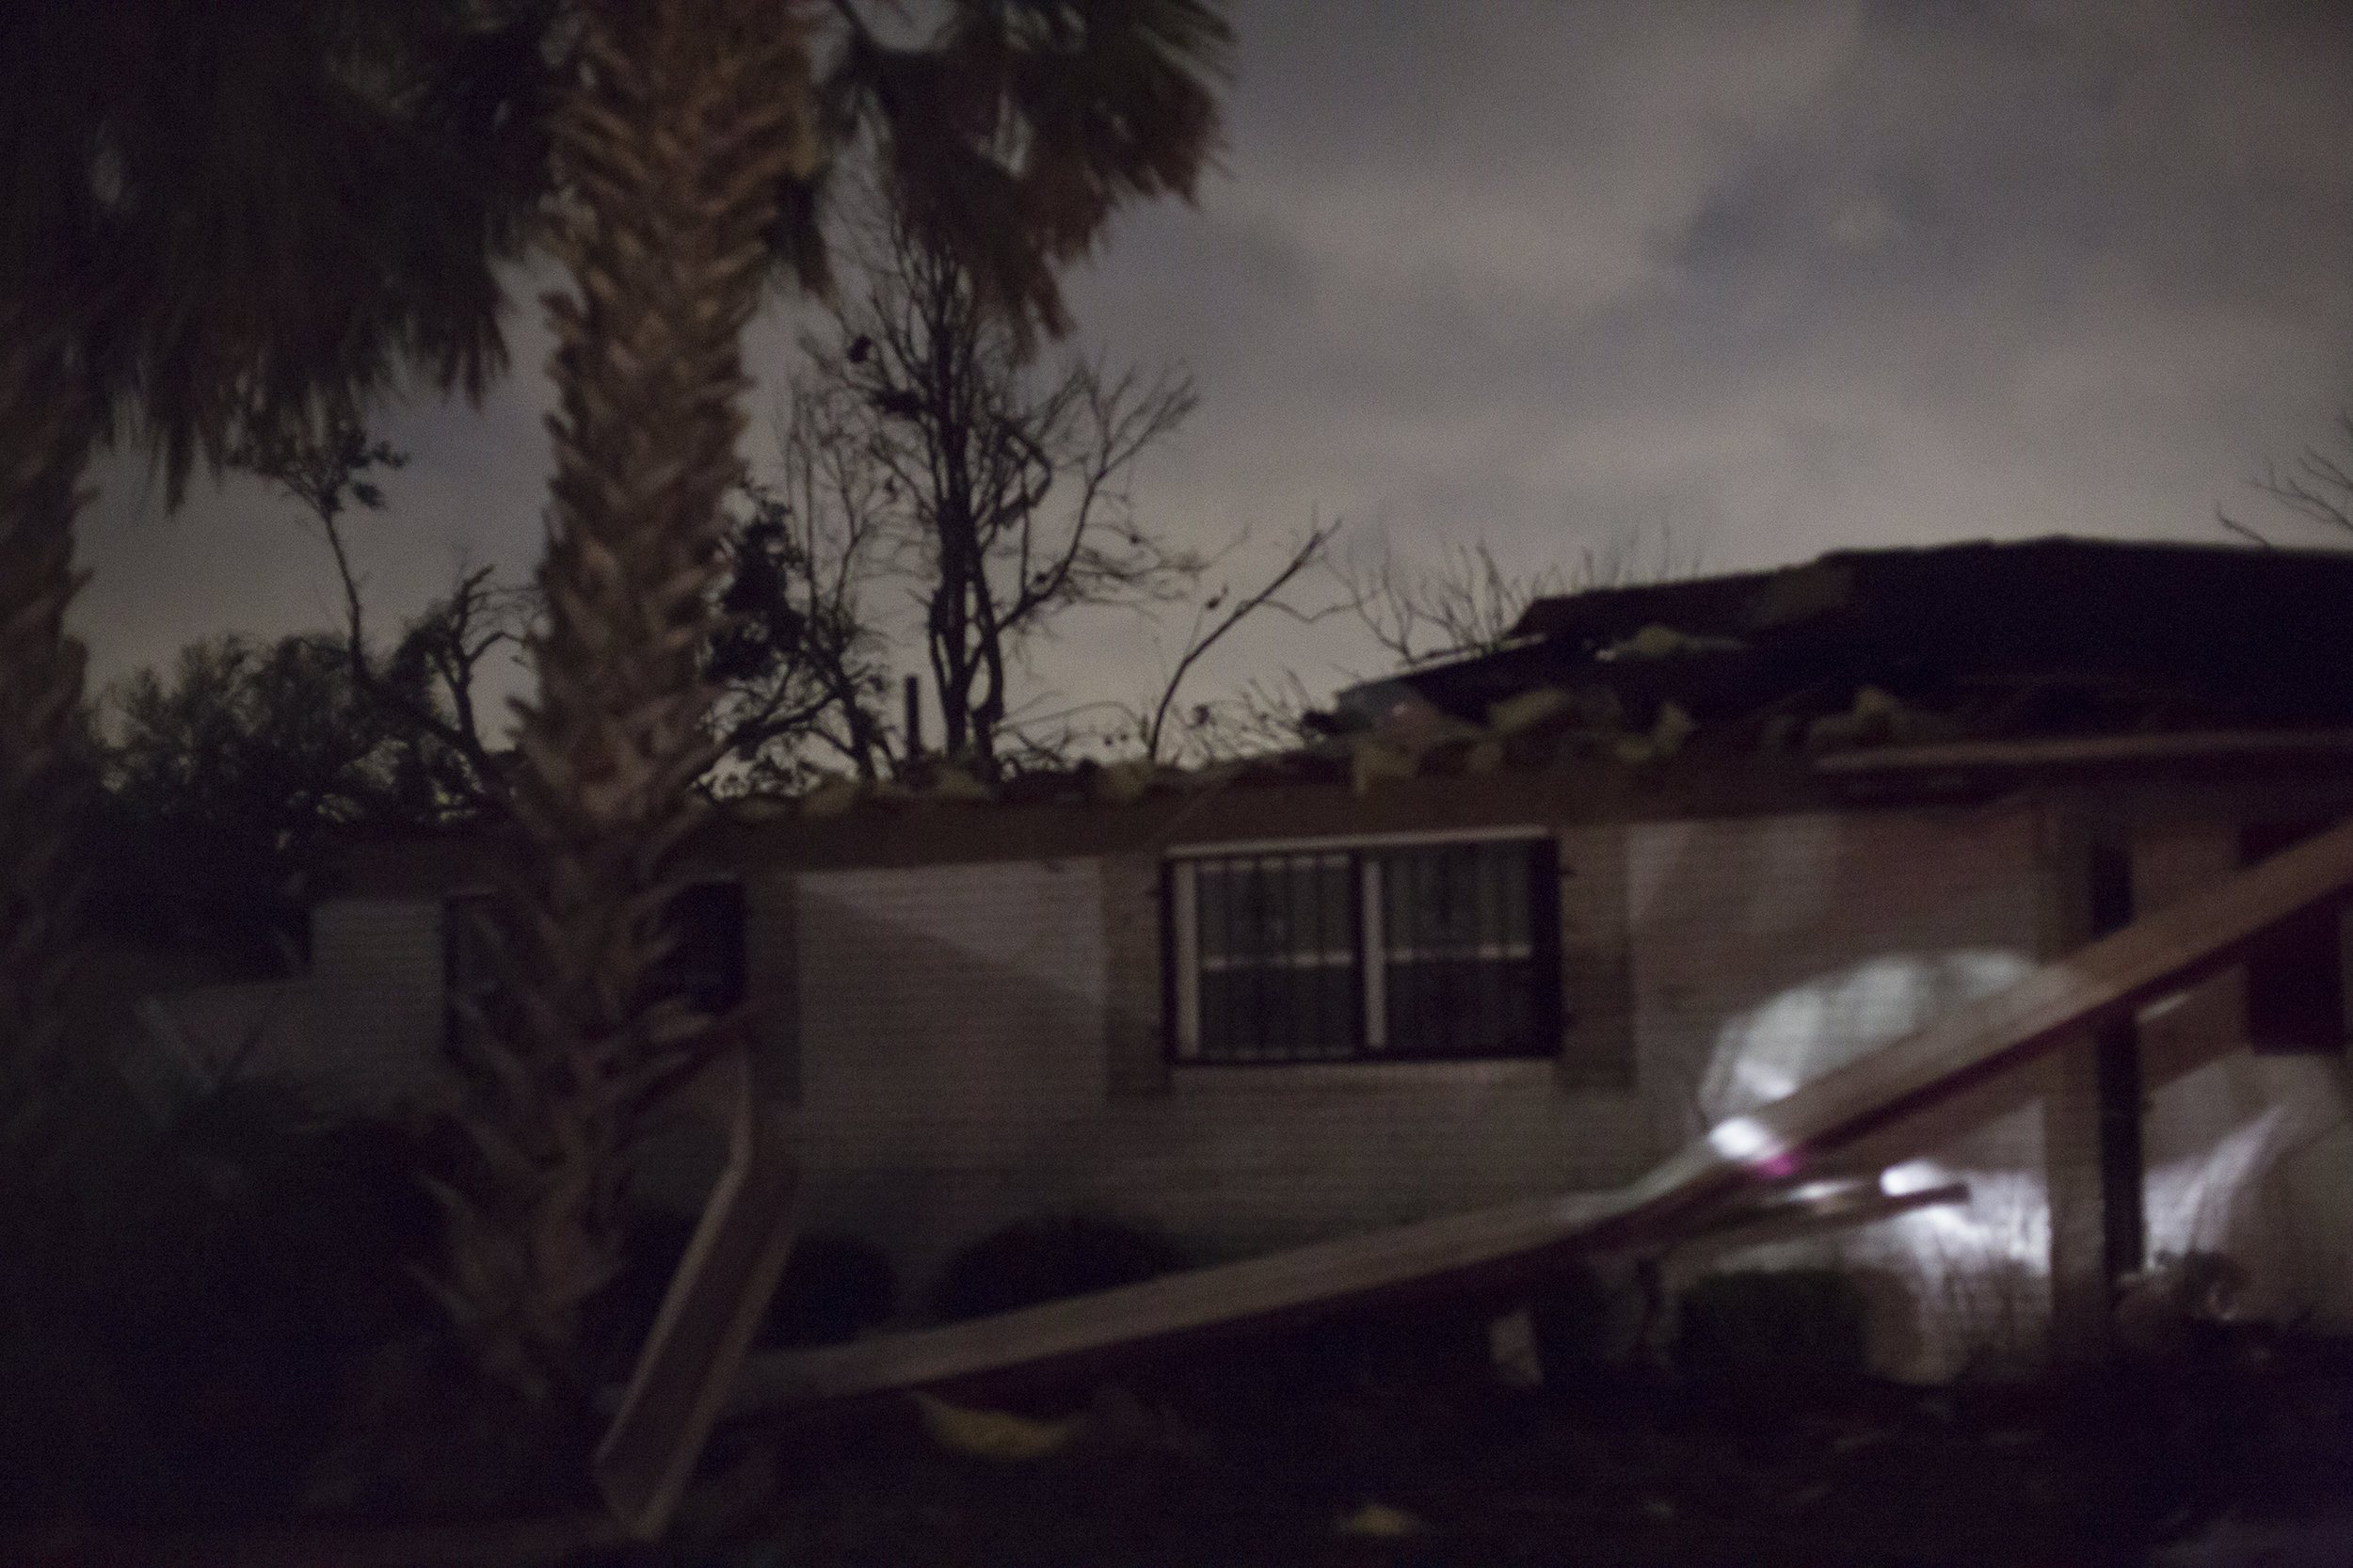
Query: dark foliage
{"x": 834, "y": 1285}
{"x": 186, "y": 1304}
{"x": 225, "y": 783}
{"x": 1046, "y": 1259}
{"x": 1762, "y": 1328}
{"x": 240, "y": 211}
{"x": 1573, "y": 1319}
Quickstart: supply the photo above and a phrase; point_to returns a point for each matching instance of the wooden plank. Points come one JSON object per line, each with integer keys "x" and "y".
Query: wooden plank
{"x": 715, "y": 1306}
{"x": 568, "y": 1538}
{"x": 1956, "y": 1055}
{"x": 2105, "y": 979}
{"x": 1797, "y": 1221}
{"x": 2087, "y": 749}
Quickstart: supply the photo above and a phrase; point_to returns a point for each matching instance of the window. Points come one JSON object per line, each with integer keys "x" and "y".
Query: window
{"x": 471, "y": 989}
{"x": 2295, "y": 977}
{"x": 706, "y": 967}
{"x": 1391, "y": 953}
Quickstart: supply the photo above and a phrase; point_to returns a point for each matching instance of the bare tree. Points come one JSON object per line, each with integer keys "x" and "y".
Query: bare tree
{"x": 1263, "y": 715}
{"x": 427, "y": 685}
{"x": 800, "y": 661}
{"x": 1258, "y": 716}
{"x": 226, "y": 776}
{"x": 1005, "y": 494}
{"x": 1467, "y": 603}
{"x": 2318, "y": 488}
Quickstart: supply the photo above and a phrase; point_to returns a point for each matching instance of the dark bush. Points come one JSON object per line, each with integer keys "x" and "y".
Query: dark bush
{"x": 1572, "y": 1315}
{"x": 1388, "y": 1344}
{"x": 1047, "y": 1260}
{"x": 834, "y": 1285}
{"x": 1771, "y": 1327}
{"x": 615, "y": 1325}
{"x": 198, "y": 1294}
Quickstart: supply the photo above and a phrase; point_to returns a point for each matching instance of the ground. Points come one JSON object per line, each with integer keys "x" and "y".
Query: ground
{"x": 1258, "y": 1456}
{"x": 1397, "y": 1444}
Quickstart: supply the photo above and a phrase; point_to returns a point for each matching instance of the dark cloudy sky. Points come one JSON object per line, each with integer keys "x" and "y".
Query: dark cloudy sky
{"x": 1773, "y": 279}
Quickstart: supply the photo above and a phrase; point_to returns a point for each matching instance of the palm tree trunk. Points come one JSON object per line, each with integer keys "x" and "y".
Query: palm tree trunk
{"x": 45, "y": 439}
{"x": 687, "y": 115}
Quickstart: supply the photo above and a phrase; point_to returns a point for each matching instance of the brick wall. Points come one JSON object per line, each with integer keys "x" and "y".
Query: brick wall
{"x": 1857, "y": 926}
{"x": 968, "y": 1044}
{"x": 376, "y": 985}
{"x": 956, "y": 1072}
{"x": 951, "y": 1046}
{"x": 1767, "y": 951}
{"x": 2246, "y": 1155}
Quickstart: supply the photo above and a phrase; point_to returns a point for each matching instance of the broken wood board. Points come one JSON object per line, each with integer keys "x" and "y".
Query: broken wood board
{"x": 2082, "y": 750}
{"x": 1955, "y": 1055}
{"x": 568, "y": 1538}
{"x": 713, "y": 1308}
{"x": 1798, "y": 1222}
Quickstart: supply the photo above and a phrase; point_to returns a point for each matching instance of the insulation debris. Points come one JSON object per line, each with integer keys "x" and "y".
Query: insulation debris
{"x": 1664, "y": 642}
{"x": 1667, "y": 734}
{"x": 1370, "y": 761}
{"x": 1512, "y": 714}
{"x": 1380, "y": 1522}
{"x": 949, "y": 782}
{"x": 996, "y": 1434}
{"x": 833, "y": 797}
{"x": 1123, "y": 781}
{"x": 1877, "y": 718}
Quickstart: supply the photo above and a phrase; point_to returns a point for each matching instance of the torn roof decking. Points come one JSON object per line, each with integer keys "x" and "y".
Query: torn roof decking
{"x": 2162, "y": 953}
{"x": 2245, "y": 655}
{"x": 2115, "y": 633}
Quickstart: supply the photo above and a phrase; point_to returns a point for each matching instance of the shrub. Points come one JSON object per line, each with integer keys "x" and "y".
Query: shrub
{"x": 614, "y": 1326}
{"x": 196, "y": 1293}
{"x": 1775, "y": 1327}
{"x": 1047, "y": 1260}
{"x": 1572, "y": 1317}
{"x": 833, "y": 1284}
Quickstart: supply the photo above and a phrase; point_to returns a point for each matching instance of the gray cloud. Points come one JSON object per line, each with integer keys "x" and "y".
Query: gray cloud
{"x": 1784, "y": 278}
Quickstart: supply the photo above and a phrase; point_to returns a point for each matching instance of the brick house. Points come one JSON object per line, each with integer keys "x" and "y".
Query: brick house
{"x": 1524, "y": 923}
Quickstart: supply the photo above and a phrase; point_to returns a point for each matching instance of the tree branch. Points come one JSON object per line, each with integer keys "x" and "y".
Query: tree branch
{"x": 1310, "y": 550}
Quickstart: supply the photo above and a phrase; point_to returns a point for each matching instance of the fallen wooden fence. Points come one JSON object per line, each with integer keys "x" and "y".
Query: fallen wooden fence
{"x": 559, "y": 1539}
{"x": 711, "y": 1310}
{"x": 2164, "y": 953}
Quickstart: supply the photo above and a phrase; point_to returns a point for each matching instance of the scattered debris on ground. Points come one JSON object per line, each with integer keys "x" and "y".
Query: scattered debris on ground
{"x": 1304, "y": 1453}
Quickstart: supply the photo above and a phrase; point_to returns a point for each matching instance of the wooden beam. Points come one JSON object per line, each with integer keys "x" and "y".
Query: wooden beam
{"x": 713, "y": 1308}
{"x": 1798, "y": 1221}
{"x": 2087, "y": 749}
{"x": 1955, "y": 1055}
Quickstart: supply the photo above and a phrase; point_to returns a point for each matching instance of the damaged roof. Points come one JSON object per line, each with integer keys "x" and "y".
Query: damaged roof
{"x": 2054, "y": 637}
{"x": 1866, "y": 675}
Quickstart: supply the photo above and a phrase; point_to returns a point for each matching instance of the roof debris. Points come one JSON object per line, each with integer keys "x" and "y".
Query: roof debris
{"x": 1656, "y": 641}
{"x": 1858, "y": 652}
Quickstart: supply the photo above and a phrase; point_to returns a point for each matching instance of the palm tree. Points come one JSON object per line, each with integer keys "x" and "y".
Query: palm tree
{"x": 215, "y": 222}
{"x": 241, "y": 220}
{"x": 688, "y": 159}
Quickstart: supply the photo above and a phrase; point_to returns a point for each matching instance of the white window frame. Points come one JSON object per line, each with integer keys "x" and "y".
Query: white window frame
{"x": 1372, "y": 956}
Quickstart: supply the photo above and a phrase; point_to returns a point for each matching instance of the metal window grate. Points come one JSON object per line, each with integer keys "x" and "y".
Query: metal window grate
{"x": 1466, "y": 967}
{"x": 1444, "y": 949}
{"x": 706, "y": 967}
{"x": 1278, "y": 971}
{"x": 471, "y": 987}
